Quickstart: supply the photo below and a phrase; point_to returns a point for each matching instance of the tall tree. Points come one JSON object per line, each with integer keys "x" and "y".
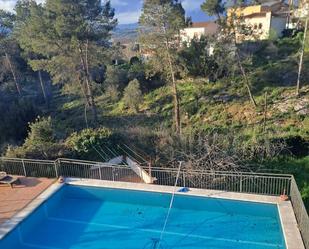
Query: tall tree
{"x": 213, "y": 8}
{"x": 8, "y": 47}
{"x": 231, "y": 28}
{"x": 160, "y": 25}
{"x": 23, "y": 10}
{"x": 301, "y": 59}
{"x": 235, "y": 27}
{"x": 71, "y": 37}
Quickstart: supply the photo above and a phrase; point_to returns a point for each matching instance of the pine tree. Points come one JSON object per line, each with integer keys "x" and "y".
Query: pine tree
{"x": 213, "y": 8}
{"x": 8, "y": 46}
{"x": 22, "y": 9}
{"x": 231, "y": 28}
{"x": 132, "y": 96}
{"x": 71, "y": 38}
{"x": 160, "y": 25}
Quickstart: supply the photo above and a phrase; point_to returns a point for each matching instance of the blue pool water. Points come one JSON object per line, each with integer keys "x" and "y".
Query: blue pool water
{"x": 99, "y": 218}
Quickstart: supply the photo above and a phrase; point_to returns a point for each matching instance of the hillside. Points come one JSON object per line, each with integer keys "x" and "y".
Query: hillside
{"x": 125, "y": 33}
{"x": 223, "y": 105}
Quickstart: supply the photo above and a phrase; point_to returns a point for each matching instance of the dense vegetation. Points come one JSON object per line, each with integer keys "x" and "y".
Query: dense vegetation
{"x": 67, "y": 91}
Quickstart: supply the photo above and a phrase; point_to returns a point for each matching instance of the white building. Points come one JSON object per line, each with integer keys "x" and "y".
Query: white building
{"x": 263, "y": 21}
{"x": 303, "y": 10}
{"x": 197, "y": 30}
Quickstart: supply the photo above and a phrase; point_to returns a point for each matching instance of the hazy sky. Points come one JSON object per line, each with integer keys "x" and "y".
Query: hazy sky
{"x": 128, "y": 11}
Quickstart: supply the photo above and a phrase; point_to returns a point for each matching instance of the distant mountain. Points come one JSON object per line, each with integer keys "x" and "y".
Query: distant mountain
{"x": 125, "y": 33}
{"x": 130, "y": 26}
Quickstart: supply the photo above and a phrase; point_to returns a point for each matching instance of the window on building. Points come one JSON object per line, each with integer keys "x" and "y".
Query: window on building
{"x": 260, "y": 26}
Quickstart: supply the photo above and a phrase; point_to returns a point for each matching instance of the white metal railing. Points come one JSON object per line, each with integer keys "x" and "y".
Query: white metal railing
{"x": 243, "y": 182}
{"x": 300, "y": 212}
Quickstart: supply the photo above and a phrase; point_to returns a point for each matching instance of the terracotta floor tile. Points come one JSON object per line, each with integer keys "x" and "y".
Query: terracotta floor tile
{"x": 12, "y": 200}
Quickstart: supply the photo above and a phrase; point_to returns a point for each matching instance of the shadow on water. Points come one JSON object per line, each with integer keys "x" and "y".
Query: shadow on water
{"x": 155, "y": 243}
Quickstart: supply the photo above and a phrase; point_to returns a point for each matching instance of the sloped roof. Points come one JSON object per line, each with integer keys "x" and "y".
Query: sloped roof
{"x": 258, "y": 14}
{"x": 204, "y": 25}
{"x": 275, "y": 6}
{"x": 211, "y": 28}
{"x": 270, "y": 3}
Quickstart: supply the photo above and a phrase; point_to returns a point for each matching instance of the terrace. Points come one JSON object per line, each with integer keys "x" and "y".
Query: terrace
{"x": 12, "y": 200}
{"x": 242, "y": 186}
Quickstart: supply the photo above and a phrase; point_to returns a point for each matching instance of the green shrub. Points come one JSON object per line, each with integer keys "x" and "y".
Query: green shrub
{"x": 41, "y": 132}
{"x": 40, "y": 143}
{"x": 112, "y": 92}
{"x": 92, "y": 143}
{"x": 115, "y": 76}
{"x": 133, "y": 95}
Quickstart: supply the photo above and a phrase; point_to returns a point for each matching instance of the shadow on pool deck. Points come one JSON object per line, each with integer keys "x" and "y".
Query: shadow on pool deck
{"x": 12, "y": 200}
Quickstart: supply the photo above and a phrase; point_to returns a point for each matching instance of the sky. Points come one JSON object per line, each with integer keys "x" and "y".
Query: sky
{"x": 128, "y": 11}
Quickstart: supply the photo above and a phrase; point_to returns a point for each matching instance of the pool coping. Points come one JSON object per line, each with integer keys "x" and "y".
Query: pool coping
{"x": 289, "y": 224}
{"x": 10, "y": 224}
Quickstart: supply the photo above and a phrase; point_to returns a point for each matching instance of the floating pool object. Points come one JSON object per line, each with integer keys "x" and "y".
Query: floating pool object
{"x": 184, "y": 190}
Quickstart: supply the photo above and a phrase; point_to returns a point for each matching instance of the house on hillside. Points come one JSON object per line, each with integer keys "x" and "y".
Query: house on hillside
{"x": 303, "y": 10}
{"x": 197, "y": 30}
{"x": 263, "y": 21}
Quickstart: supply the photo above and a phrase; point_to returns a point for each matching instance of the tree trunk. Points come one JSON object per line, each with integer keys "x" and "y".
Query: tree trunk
{"x": 219, "y": 18}
{"x": 176, "y": 107}
{"x": 300, "y": 68}
{"x": 247, "y": 83}
{"x": 174, "y": 85}
{"x": 91, "y": 101}
{"x": 175, "y": 92}
{"x": 18, "y": 88}
{"x": 86, "y": 100}
{"x": 43, "y": 87}
{"x": 89, "y": 92}
{"x": 265, "y": 112}
{"x": 243, "y": 72}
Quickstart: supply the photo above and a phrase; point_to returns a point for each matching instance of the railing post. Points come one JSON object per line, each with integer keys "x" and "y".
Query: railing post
{"x": 290, "y": 185}
{"x": 240, "y": 186}
{"x": 184, "y": 178}
{"x": 149, "y": 169}
{"x": 24, "y": 167}
{"x": 100, "y": 173}
{"x": 56, "y": 169}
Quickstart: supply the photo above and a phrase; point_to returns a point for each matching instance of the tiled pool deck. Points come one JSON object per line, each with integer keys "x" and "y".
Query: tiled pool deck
{"x": 12, "y": 200}
{"x": 289, "y": 224}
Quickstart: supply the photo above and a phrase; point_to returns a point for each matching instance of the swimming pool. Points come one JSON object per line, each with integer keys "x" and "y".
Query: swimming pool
{"x": 78, "y": 217}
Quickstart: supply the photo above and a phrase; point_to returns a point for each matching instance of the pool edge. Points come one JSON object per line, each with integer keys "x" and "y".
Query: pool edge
{"x": 10, "y": 224}
{"x": 292, "y": 236}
